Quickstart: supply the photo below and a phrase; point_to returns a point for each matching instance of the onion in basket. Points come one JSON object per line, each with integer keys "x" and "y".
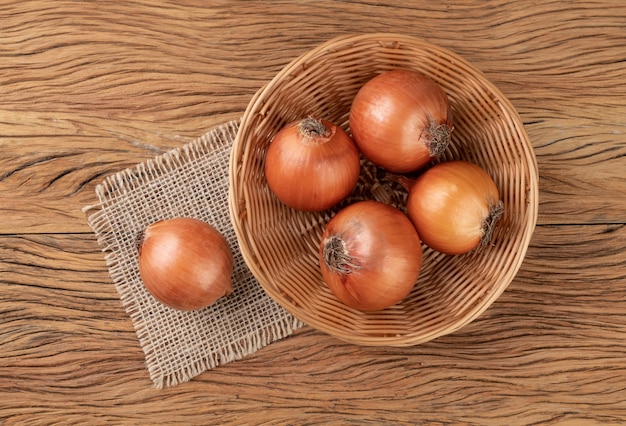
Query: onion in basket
{"x": 454, "y": 206}
{"x": 401, "y": 120}
{"x": 312, "y": 164}
{"x": 370, "y": 255}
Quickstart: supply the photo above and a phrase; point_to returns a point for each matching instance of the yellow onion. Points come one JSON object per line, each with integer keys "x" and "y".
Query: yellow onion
{"x": 185, "y": 263}
{"x": 401, "y": 120}
{"x": 312, "y": 164}
{"x": 370, "y": 255}
{"x": 454, "y": 206}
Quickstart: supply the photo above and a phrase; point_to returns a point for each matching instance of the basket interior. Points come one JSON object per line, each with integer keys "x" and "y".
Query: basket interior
{"x": 280, "y": 244}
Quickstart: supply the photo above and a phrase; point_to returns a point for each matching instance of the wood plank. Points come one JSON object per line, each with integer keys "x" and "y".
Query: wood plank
{"x": 51, "y": 164}
{"x": 89, "y": 89}
{"x": 88, "y": 96}
{"x": 550, "y": 349}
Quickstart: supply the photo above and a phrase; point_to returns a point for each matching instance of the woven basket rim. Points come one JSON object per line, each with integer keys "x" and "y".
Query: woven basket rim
{"x": 240, "y": 158}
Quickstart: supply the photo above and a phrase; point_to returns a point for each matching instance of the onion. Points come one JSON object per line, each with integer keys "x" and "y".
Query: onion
{"x": 370, "y": 255}
{"x": 185, "y": 263}
{"x": 311, "y": 165}
{"x": 454, "y": 206}
{"x": 401, "y": 120}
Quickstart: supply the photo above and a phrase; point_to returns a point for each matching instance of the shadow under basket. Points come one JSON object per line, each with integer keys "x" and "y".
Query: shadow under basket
{"x": 280, "y": 245}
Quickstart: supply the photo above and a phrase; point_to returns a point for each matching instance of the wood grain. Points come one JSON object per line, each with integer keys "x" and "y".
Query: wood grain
{"x": 131, "y": 91}
{"x": 539, "y": 353}
{"x": 91, "y": 88}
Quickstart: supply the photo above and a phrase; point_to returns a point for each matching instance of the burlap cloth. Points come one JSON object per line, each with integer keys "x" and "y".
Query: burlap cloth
{"x": 191, "y": 181}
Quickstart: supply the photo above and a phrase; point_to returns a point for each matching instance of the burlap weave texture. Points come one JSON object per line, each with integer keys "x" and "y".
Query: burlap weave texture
{"x": 191, "y": 181}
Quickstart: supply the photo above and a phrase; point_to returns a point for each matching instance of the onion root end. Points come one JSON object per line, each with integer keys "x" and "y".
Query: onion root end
{"x": 496, "y": 209}
{"x": 336, "y": 256}
{"x": 438, "y": 137}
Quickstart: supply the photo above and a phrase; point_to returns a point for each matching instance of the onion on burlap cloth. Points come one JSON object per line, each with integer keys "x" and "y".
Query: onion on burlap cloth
{"x": 192, "y": 181}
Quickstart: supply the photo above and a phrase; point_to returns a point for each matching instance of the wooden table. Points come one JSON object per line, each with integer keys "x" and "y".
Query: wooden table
{"x": 91, "y": 88}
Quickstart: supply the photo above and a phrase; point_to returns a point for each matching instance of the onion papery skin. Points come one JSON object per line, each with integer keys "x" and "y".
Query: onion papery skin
{"x": 454, "y": 206}
{"x": 315, "y": 171}
{"x": 185, "y": 263}
{"x": 401, "y": 120}
{"x": 370, "y": 255}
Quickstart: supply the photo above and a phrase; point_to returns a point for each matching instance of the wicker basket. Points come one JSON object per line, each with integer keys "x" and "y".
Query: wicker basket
{"x": 280, "y": 245}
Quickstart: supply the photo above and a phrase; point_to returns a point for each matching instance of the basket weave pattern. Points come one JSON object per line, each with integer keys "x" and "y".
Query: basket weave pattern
{"x": 280, "y": 245}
